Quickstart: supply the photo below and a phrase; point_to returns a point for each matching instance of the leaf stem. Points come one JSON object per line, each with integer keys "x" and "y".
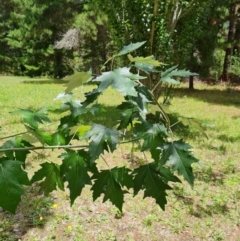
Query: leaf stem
{"x": 105, "y": 162}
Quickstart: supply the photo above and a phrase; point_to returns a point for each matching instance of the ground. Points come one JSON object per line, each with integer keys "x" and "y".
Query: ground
{"x": 210, "y": 211}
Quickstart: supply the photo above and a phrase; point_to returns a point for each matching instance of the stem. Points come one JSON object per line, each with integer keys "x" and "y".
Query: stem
{"x": 105, "y": 162}
{"x": 6, "y": 137}
{"x": 107, "y": 62}
{"x": 158, "y": 83}
{"x": 161, "y": 109}
{"x": 175, "y": 123}
{"x": 57, "y": 147}
{"x": 144, "y": 155}
{"x": 42, "y": 148}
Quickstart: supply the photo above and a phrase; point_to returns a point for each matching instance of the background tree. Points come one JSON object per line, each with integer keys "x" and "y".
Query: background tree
{"x": 37, "y": 26}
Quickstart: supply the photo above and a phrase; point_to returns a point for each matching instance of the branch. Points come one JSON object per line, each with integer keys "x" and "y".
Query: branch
{"x": 6, "y": 137}
{"x": 42, "y": 148}
{"x": 161, "y": 110}
{"x": 56, "y": 147}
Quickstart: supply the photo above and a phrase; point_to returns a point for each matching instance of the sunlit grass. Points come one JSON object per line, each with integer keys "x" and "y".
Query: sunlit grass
{"x": 211, "y": 211}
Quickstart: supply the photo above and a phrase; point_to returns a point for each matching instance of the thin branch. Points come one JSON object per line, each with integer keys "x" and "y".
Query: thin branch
{"x": 161, "y": 109}
{"x": 57, "y": 147}
{"x": 158, "y": 83}
{"x": 43, "y": 148}
{"x": 175, "y": 124}
{"x": 6, "y": 137}
{"x": 132, "y": 140}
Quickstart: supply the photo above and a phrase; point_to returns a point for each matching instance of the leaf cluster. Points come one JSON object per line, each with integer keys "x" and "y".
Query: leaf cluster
{"x": 136, "y": 123}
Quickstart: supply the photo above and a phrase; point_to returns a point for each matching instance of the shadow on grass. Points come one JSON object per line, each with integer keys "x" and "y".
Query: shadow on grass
{"x": 33, "y": 211}
{"x": 184, "y": 131}
{"x": 228, "y": 138}
{"x": 111, "y": 116}
{"x": 228, "y": 96}
{"x": 198, "y": 209}
{"x": 50, "y": 81}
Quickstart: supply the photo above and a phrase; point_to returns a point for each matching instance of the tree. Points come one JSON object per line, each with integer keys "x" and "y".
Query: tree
{"x": 5, "y": 26}
{"x": 233, "y": 17}
{"x": 37, "y": 25}
{"x": 150, "y": 131}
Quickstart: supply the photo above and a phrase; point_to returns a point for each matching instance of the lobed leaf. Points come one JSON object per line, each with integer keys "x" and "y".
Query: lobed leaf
{"x": 12, "y": 179}
{"x": 153, "y": 136}
{"x": 129, "y": 48}
{"x": 16, "y": 142}
{"x": 177, "y": 156}
{"x": 166, "y": 76}
{"x": 149, "y": 180}
{"x": 74, "y": 170}
{"x": 77, "y": 79}
{"x": 50, "y": 172}
{"x": 119, "y": 79}
{"x": 141, "y": 101}
{"x": 42, "y": 136}
{"x": 102, "y": 138}
{"x": 32, "y": 118}
{"x": 110, "y": 183}
{"x": 149, "y": 60}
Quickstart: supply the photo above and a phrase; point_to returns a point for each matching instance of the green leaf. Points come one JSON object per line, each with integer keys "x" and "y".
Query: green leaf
{"x": 80, "y": 130}
{"x": 50, "y": 172}
{"x": 153, "y": 136}
{"x": 96, "y": 108}
{"x": 122, "y": 176}
{"x": 168, "y": 176}
{"x": 105, "y": 183}
{"x": 127, "y": 117}
{"x": 141, "y": 101}
{"x": 32, "y": 118}
{"x": 77, "y": 79}
{"x": 58, "y": 139}
{"x": 29, "y": 138}
{"x": 12, "y": 177}
{"x": 119, "y": 79}
{"x": 129, "y": 48}
{"x": 66, "y": 123}
{"x": 177, "y": 156}
{"x": 91, "y": 97}
{"x": 148, "y": 179}
{"x": 74, "y": 170}
{"x": 166, "y": 76}
{"x": 16, "y": 142}
{"x": 145, "y": 67}
{"x": 145, "y": 60}
{"x": 102, "y": 138}
{"x": 76, "y": 108}
{"x": 31, "y": 67}
{"x": 42, "y": 136}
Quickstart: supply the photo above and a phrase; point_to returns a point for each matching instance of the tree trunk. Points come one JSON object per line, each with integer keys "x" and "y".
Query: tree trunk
{"x": 155, "y": 9}
{"x": 191, "y": 86}
{"x": 229, "y": 49}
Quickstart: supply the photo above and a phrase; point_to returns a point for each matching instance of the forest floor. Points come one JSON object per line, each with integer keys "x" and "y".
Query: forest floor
{"x": 210, "y": 211}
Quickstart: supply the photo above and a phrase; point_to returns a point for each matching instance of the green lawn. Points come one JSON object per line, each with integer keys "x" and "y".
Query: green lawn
{"x": 211, "y": 211}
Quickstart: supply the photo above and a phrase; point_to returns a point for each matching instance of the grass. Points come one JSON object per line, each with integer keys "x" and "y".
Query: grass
{"x": 211, "y": 211}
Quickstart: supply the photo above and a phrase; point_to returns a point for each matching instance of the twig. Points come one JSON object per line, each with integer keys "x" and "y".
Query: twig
{"x": 42, "y": 148}
{"x": 57, "y": 147}
{"x": 6, "y": 137}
